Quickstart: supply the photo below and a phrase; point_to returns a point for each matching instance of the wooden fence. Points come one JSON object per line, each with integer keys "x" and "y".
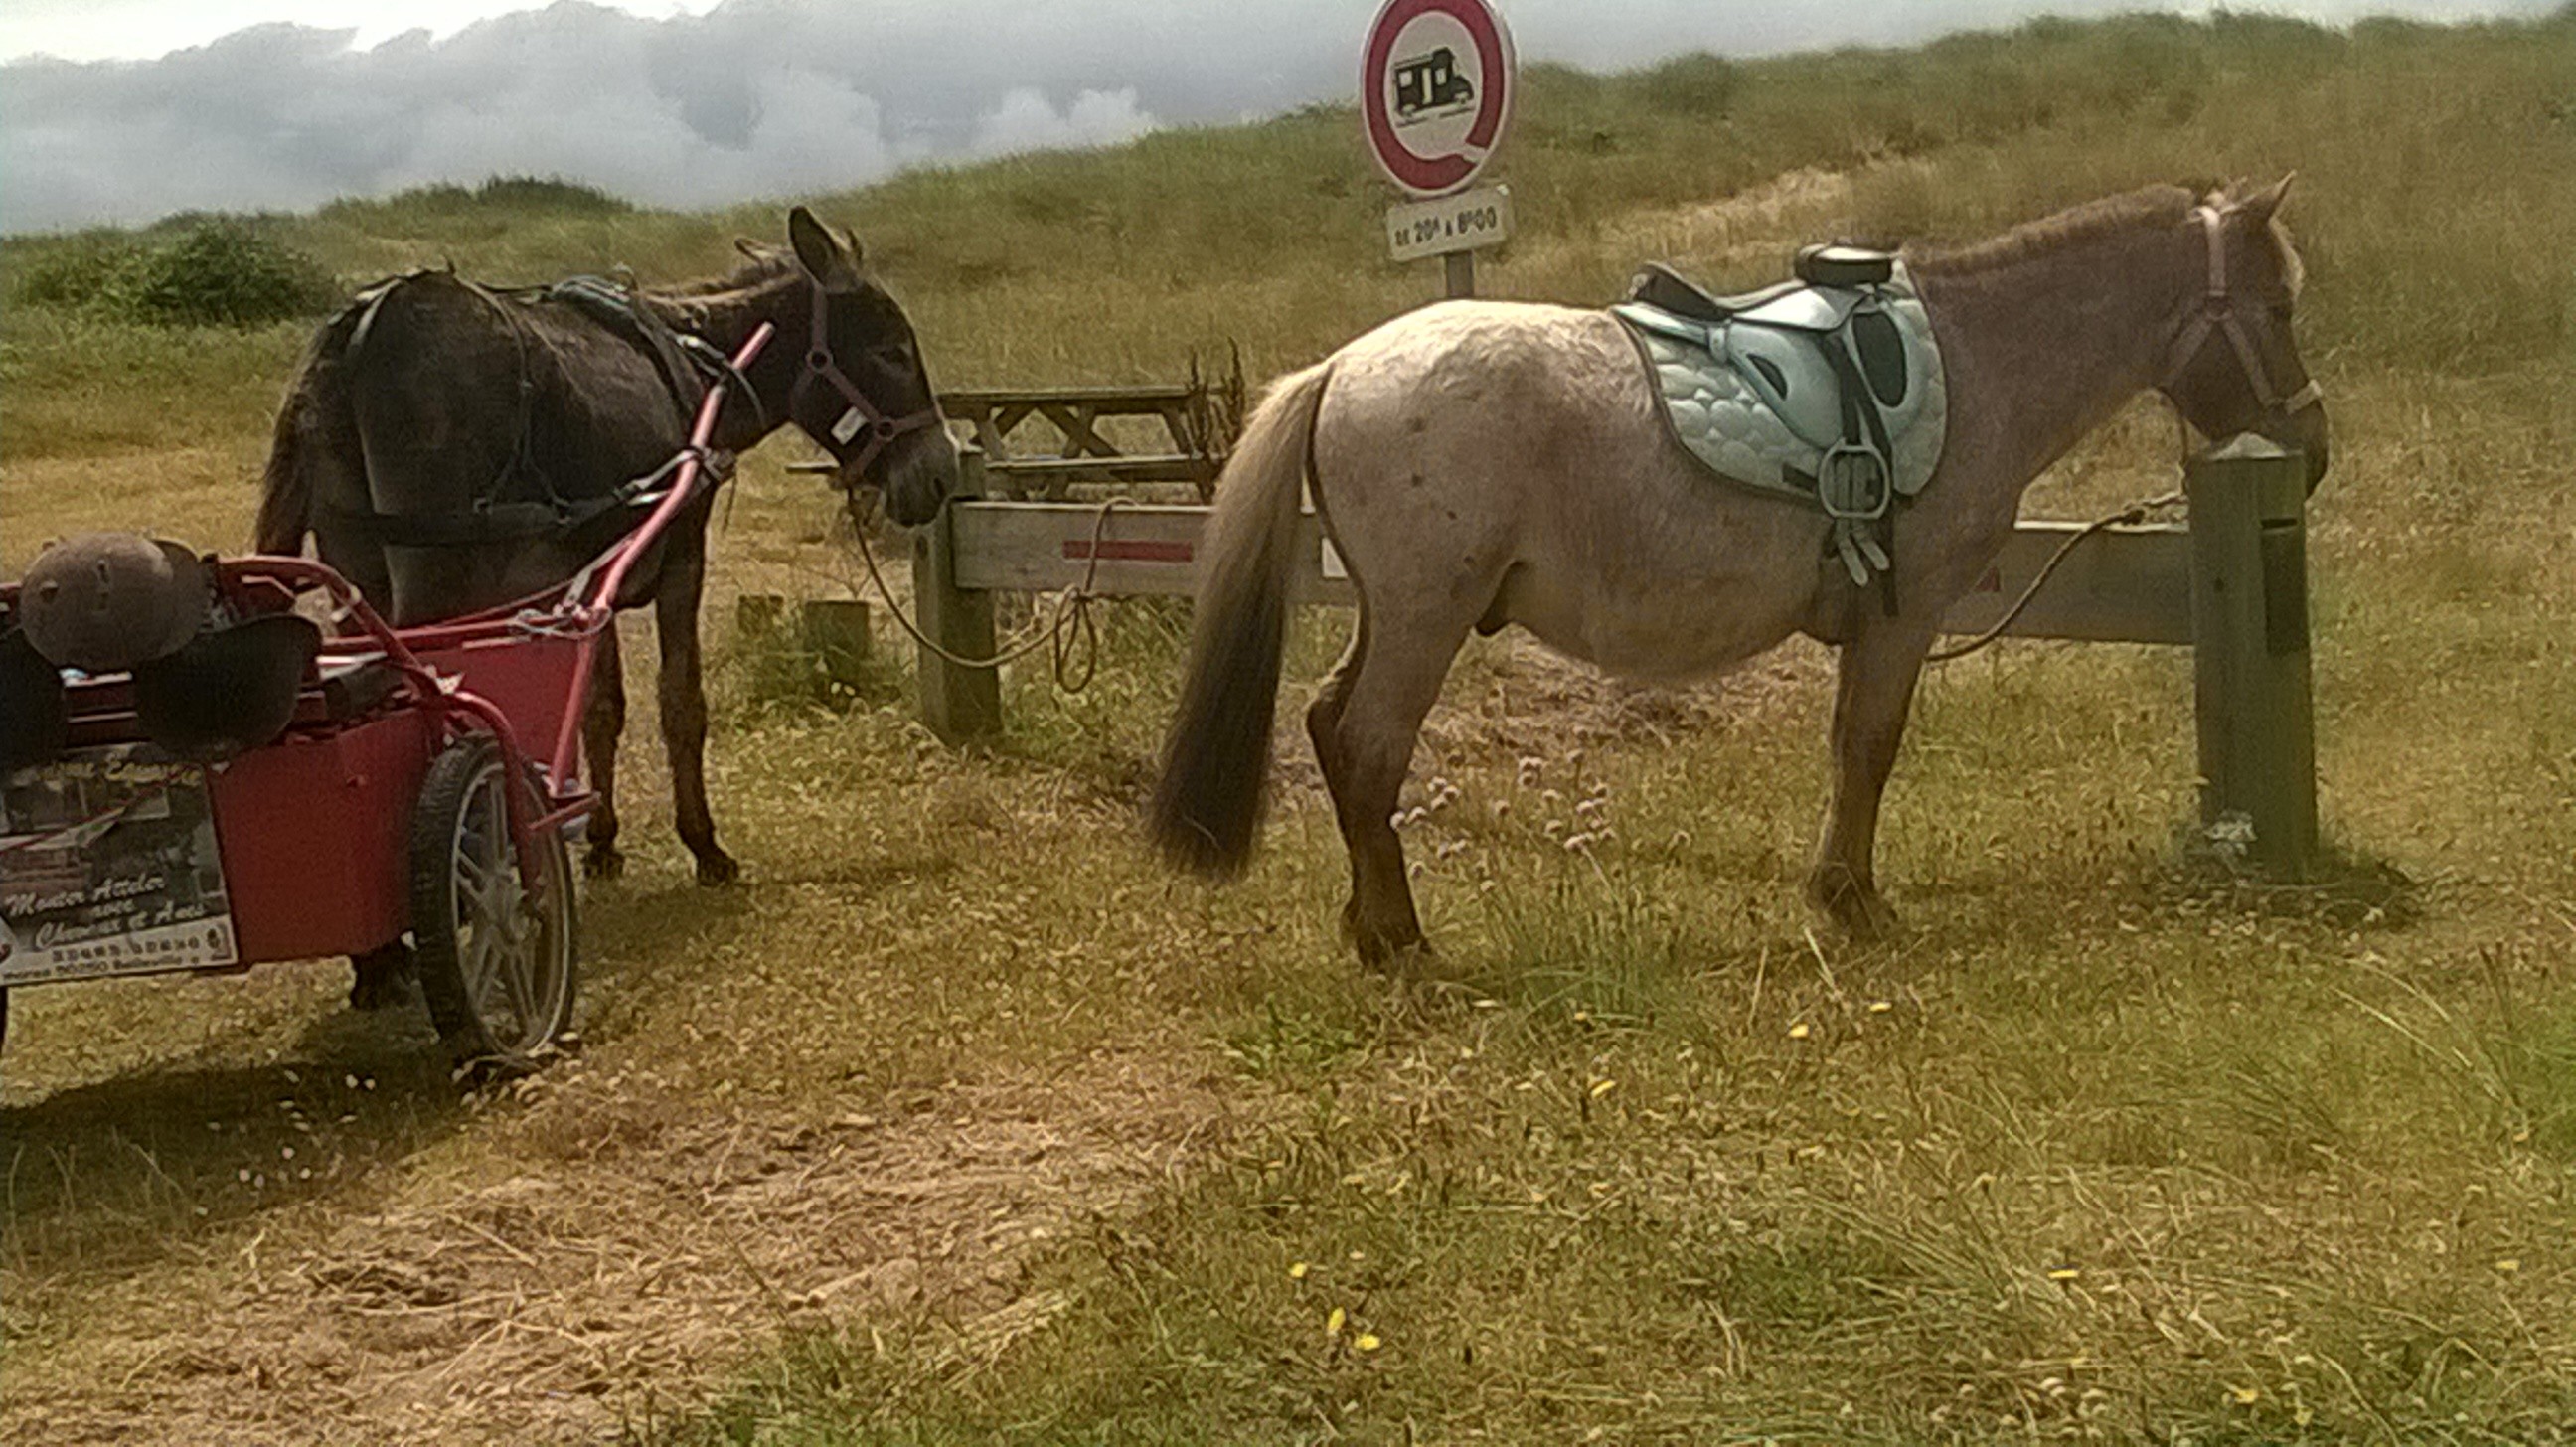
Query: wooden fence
{"x": 1122, "y": 435}
{"x": 2232, "y": 586}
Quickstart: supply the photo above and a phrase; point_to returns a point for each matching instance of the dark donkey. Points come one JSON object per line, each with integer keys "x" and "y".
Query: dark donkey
{"x": 452, "y": 449}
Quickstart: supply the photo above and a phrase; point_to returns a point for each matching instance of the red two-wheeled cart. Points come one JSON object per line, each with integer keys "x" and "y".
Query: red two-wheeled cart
{"x": 424, "y": 790}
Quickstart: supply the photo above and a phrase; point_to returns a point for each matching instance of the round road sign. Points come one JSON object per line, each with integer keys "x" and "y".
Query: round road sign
{"x": 1436, "y": 91}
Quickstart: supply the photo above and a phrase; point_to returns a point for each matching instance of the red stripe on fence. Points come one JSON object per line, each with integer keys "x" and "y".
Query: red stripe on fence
{"x": 1132, "y": 551}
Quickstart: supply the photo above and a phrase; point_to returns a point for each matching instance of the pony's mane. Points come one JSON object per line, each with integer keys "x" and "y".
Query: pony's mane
{"x": 2072, "y": 226}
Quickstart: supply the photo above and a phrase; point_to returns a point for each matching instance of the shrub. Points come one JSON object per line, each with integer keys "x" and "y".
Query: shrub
{"x": 224, "y": 274}
{"x": 1698, "y": 86}
{"x": 215, "y": 273}
{"x": 79, "y": 271}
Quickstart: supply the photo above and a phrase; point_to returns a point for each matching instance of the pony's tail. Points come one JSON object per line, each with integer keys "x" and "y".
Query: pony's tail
{"x": 1216, "y": 760}
{"x": 286, "y": 489}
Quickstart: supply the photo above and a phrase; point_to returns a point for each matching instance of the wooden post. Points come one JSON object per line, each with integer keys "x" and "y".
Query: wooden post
{"x": 835, "y": 631}
{"x": 960, "y": 704}
{"x": 2249, "y": 612}
{"x": 1458, "y": 268}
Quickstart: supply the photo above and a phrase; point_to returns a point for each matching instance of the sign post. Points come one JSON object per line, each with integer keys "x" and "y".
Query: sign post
{"x": 1436, "y": 83}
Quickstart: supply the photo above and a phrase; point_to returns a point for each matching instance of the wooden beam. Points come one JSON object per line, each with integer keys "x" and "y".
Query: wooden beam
{"x": 1126, "y": 467}
{"x": 1124, "y": 399}
{"x": 1146, "y": 550}
{"x": 2123, "y": 584}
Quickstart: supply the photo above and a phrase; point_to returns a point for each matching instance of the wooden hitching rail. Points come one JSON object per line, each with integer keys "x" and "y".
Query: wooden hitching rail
{"x": 2232, "y": 585}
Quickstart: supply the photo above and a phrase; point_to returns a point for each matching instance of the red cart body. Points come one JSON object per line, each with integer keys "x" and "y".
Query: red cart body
{"x": 440, "y": 764}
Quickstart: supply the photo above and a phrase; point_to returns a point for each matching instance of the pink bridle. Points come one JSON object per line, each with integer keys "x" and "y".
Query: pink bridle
{"x": 2218, "y": 313}
{"x": 881, "y": 430}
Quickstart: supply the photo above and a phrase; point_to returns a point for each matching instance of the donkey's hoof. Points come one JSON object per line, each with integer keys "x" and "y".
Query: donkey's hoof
{"x": 1852, "y": 903}
{"x": 716, "y": 867}
{"x": 603, "y": 861}
{"x": 1400, "y": 952}
{"x": 383, "y": 979}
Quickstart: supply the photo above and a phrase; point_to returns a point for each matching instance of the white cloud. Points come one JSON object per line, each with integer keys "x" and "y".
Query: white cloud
{"x": 1026, "y": 121}
{"x": 757, "y": 98}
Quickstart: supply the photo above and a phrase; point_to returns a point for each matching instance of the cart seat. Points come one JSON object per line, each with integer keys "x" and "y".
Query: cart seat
{"x": 350, "y": 686}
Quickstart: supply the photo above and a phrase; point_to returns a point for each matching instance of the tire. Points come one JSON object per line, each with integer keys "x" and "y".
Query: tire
{"x": 496, "y": 965}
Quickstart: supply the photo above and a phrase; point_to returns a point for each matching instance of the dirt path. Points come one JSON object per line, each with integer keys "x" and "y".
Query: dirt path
{"x": 642, "y": 1248}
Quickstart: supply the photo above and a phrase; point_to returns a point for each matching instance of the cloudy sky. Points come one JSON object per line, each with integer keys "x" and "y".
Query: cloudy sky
{"x": 125, "y": 110}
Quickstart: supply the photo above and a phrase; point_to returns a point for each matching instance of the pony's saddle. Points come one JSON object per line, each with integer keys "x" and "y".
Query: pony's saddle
{"x": 1826, "y": 389}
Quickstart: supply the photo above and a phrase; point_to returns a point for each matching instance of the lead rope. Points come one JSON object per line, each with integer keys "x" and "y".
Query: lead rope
{"x": 2135, "y": 512}
{"x": 1070, "y": 620}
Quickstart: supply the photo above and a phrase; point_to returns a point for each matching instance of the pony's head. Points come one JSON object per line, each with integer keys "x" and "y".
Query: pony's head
{"x": 862, "y": 392}
{"x": 2233, "y": 365}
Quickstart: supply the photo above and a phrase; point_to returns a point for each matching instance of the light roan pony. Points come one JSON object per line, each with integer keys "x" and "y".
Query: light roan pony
{"x": 1479, "y": 464}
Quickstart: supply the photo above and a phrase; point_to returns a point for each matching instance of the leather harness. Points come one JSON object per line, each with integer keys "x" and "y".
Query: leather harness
{"x": 686, "y": 362}
{"x": 862, "y": 414}
{"x": 2218, "y": 313}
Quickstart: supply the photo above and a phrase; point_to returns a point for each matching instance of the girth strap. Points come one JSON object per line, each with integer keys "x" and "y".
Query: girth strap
{"x": 490, "y": 522}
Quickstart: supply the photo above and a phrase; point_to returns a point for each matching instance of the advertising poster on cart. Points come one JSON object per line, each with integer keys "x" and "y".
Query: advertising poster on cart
{"x": 108, "y": 866}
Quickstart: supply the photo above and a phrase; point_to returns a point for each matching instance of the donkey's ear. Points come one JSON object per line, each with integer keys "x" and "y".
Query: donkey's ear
{"x": 2263, "y": 203}
{"x": 821, "y": 253}
{"x": 858, "y": 254}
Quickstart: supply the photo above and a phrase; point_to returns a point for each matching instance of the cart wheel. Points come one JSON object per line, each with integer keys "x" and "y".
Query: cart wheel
{"x": 496, "y": 963}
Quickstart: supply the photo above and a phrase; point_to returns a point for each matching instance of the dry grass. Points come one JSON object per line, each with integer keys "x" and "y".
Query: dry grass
{"x": 2098, "y": 1151}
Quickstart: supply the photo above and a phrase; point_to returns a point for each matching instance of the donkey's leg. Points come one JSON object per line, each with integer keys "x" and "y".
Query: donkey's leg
{"x": 684, "y": 706}
{"x": 1376, "y": 703}
{"x": 602, "y": 720}
{"x": 1873, "y": 693}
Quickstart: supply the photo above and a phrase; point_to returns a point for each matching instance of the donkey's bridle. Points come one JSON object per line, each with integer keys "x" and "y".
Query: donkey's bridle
{"x": 863, "y": 414}
{"x": 2218, "y": 313}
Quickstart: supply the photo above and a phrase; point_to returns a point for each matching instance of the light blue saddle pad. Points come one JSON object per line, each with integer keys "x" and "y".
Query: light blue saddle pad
{"x": 1758, "y": 399}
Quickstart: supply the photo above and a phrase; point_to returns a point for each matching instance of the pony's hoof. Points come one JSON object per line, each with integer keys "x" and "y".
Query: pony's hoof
{"x": 603, "y": 861}
{"x": 715, "y": 867}
{"x": 1855, "y": 906}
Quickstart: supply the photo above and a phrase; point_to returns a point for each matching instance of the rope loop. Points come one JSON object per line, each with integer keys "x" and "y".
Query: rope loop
{"x": 1069, "y": 624}
{"x": 2135, "y": 512}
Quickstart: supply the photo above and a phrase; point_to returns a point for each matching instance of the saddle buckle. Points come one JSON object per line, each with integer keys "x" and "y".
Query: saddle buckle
{"x": 1853, "y": 482}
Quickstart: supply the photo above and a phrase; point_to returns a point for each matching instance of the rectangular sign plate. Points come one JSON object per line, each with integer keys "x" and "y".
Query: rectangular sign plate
{"x": 108, "y": 866}
{"x": 1473, "y": 218}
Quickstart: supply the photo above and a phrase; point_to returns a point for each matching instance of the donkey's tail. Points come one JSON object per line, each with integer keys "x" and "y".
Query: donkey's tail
{"x": 1216, "y": 760}
{"x": 286, "y": 489}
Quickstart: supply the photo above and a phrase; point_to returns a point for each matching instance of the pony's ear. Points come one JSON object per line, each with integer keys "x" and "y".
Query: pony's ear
{"x": 2263, "y": 203}
{"x": 832, "y": 265}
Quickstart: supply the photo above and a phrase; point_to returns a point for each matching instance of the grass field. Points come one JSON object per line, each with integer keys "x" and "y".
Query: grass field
{"x": 960, "y": 1121}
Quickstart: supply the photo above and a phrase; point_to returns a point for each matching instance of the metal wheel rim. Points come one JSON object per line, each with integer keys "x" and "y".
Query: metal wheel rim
{"x": 513, "y": 950}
